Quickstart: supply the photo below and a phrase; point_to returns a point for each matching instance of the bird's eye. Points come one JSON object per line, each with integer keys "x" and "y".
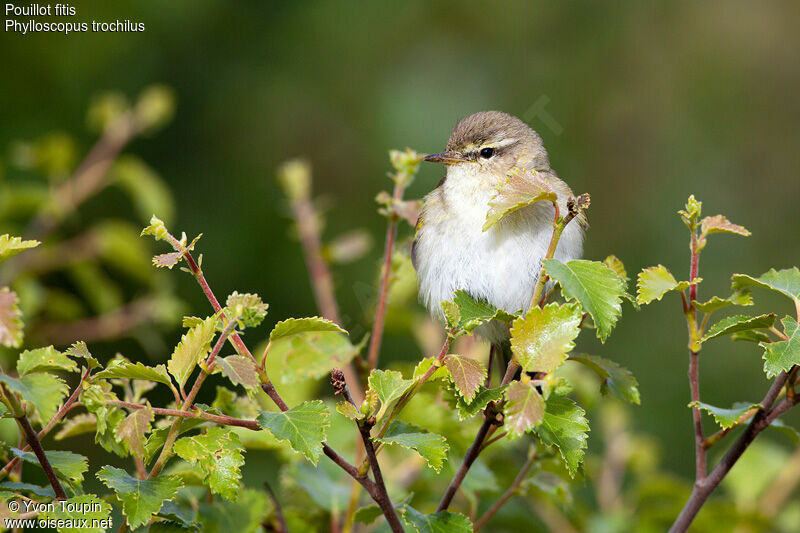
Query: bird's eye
{"x": 486, "y": 153}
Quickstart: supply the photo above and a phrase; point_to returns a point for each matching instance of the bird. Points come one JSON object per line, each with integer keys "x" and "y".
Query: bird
{"x": 450, "y": 251}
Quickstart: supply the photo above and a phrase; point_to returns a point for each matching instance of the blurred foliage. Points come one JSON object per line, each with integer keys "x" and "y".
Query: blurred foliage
{"x": 638, "y": 104}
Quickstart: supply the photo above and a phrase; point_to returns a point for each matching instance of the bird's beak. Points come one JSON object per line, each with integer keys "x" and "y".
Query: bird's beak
{"x": 448, "y": 158}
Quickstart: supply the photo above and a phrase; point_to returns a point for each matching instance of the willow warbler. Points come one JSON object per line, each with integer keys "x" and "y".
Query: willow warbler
{"x": 500, "y": 266}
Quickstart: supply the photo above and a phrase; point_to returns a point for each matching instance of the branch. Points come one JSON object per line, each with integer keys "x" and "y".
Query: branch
{"x": 381, "y": 497}
{"x": 218, "y": 419}
{"x": 480, "y": 522}
{"x": 166, "y": 451}
{"x": 762, "y": 419}
{"x": 18, "y": 412}
{"x": 386, "y": 271}
{"x": 99, "y": 328}
{"x": 266, "y": 384}
{"x": 694, "y": 373}
{"x": 89, "y": 177}
{"x": 70, "y": 404}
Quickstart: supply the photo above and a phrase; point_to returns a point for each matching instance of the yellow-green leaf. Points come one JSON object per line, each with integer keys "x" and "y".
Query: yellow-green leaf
{"x": 219, "y": 455}
{"x": 193, "y": 348}
{"x": 655, "y": 282}
{"x": 541, "y": 339}
{"x": 43, "y": 360}
{"x": 11, "y": 246}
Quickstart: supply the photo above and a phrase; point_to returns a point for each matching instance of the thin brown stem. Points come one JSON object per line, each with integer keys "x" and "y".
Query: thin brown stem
{"x": 69, "y": 405}
{"x": 700, "y": 449}
{"x": 382, "y": 496}
{"x": 383, "y": 291}
{"x": 469, "y": 458}
{"x": 217, "y": 419}
{"x": 26, "y": 430}
{"x": 507, "y": 495}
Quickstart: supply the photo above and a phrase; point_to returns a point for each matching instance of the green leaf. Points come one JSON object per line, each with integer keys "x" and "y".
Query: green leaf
{"x": 368, "y": 514}
{"x": 464, "y": 313}
{"x": 786, "y": 282}
{"x": 119, "y": 368}
{"x": 783, "y": 355}
{"x": 524, "y": 409}
{"x": 738, "y": 323}
{"x": 432, "y": 447}
{"x": 193, "y": 348}
{"x": 741, "y": 297}
{"x": 482, "y": 398}
{"x": 219, "y": 454}
{"x": 311, "y": 355}
{"x": 521, "y": 188}
{"x": 156, "y": 229}
{"x": 781, "y": 427}
{"x": 441, "y": 522}
{"x": 10, "y": 319}
{"x": 467, "y": 374}
{"x": 293, "y": 326}
{"x": 79, "y": 349}
{"x": 565, "y": 427}
{"x": 595, "y": 286}
{"x": 159, "y": 436}
{"x": 141, "y": 498}
{"x": 655, "y": 282}
{"x": 423, "y": 366}
{"x": 541, "y": 340}
{"x": 85, "y": 513}
{"x": 304, "y": 426}
{"x": 248, "y": 307}
{"x": 240, "y": 370}
{"x": 691, "y": 212}
{"x": 44, "y": 492}
{"x": 68, "y": 465}
{"x": 349, "y": 410}
{"x": 44, "y": 391}
{"x": 43, "y": 360}
{"x": 77, "y": 425}
{"x": 133, "y": 429}
{"x": 389, "y": 385}
{"x": 616, "y": 379}
{"x": 324, "y": 484}
{"x": 11, "y": 246}
{"x": 751, "y": 335}
{"x": 247, "y": 514}
{"x": 727, "y": 418}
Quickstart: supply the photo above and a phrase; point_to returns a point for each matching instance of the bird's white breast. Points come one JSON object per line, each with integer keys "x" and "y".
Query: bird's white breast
{"x": 499, "y": 265}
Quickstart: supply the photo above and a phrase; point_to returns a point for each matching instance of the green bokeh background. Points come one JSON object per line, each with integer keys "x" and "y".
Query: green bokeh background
{"x": 643, "y": 103}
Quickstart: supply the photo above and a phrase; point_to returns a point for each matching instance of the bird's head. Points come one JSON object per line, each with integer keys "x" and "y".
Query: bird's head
{"x": 495, "y": 142}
